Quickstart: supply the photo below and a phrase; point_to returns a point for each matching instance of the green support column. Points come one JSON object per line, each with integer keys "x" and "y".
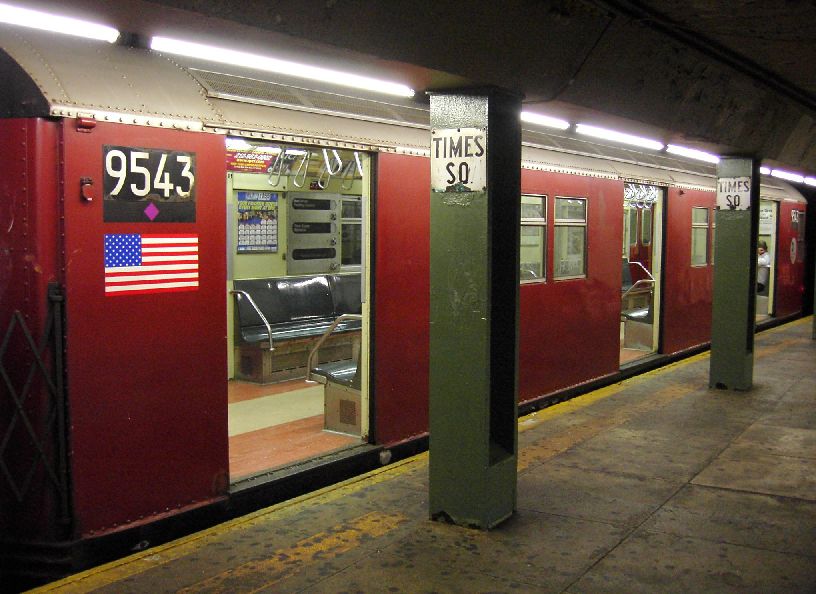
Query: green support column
{"x": 475, "y": 189}
{"x": 734, "y": 308}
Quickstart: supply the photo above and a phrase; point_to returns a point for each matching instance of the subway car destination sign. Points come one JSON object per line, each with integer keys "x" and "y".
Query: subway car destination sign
{"x": 459, "y": 160}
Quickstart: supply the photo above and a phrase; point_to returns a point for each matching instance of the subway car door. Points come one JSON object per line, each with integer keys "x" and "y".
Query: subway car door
{"x": 768, "y": 222}
{"x": 298, "y": 247}
{"x": 641, "y": 271}
{"x": 145, "y": 316}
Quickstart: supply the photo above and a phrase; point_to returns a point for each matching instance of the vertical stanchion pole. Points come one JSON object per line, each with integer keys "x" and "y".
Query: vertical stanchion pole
{"x": 475, "y": 202}
{"x": 735, "y": 259}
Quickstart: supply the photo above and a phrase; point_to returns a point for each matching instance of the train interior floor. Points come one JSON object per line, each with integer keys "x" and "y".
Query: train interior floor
{"x": 654, "y": 484}
{"x": 630, "y": 354}
{"x": 273, "y": 425}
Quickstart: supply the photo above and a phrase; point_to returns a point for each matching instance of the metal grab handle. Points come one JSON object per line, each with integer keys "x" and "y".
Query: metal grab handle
{"x": 327, "y": 170}
{"x": 241, "y": 294}
{"x": 348, "y": 172}
{"x": 359, "y": 163}
{"x": 328, "y": 164}
{"x": 276, "y": 167}
{"x": 347, "y": 178}
{"x": 319, "y": 343}
{"x": 322, "y": 183}
{"x": 302, "y": 170}
{"x": 646, "y": 281}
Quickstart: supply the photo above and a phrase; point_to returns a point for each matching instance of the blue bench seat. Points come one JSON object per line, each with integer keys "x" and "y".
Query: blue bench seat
{"x": 339, "y": 372}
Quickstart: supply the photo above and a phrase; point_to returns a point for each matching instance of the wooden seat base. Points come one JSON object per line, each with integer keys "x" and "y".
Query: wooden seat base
{"x": 256, "y": 363}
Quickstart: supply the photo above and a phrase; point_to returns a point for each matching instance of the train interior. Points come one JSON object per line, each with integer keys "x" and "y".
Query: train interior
{"x": 640, "y": 271}
{"x": 768, "y": 221}
{"x": 296, "y": 281}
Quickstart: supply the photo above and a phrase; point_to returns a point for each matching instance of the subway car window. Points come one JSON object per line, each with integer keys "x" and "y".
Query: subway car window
{"x": 533, "y": 239}
{"x": 632, "y": 226}
{"x": 646, "y": 226}
{"x": 569, "y": 246}
{"x": 699, "y": 236}
{"x": 351, "y": 244}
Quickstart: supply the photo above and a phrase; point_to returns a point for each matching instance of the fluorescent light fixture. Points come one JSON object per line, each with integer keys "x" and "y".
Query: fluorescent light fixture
{"x": 782, "y": 174}
{"x": 56, "y": 24}
{"x": 765, "y": 170}
{"x": 542, "y": 120}
{"x": 811, "y": 181}
{"x": 691, "y": 153}
{"x": 237, "y": 144}
{"x": 618, "y": 137}
{"x": 268, "y": 64}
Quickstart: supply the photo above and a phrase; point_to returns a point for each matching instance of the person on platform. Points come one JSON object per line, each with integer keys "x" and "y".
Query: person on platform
{"x": 763, "y": 267}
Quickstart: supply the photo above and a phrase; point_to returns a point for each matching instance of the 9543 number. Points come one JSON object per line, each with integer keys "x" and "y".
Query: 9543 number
{"x": 143, "y": 174}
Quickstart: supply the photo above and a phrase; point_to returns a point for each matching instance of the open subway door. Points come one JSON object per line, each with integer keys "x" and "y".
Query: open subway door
{"x": 641, "y": 271}
{"x": 145, "y": 315}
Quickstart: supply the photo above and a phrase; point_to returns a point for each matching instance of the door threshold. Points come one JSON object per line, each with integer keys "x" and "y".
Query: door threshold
{"x": 646, "y": 358}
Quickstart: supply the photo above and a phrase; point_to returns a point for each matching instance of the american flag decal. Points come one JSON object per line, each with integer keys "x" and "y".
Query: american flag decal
{"x": 138, "y": 263}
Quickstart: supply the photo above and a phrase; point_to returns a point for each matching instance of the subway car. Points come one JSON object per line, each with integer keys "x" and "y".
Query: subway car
{"x": 214, "y": 286}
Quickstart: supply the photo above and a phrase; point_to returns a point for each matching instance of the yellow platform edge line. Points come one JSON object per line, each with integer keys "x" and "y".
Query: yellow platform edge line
{"x": 97, "y": 577}
{"x": 391, "y": 470}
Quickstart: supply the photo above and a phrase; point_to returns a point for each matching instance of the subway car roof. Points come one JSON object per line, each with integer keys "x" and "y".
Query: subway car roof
{"x": 51, "y": 75}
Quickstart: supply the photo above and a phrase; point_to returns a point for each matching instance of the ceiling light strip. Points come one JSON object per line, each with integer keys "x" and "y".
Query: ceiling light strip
{"x": 278, "y": 66}
{"x": 44, "y": 21}
{"x": 691, "y": 153}
{"x": 787, "y": 175}
{"x": 543, "y": 120}
{"x": 615, "y": 136}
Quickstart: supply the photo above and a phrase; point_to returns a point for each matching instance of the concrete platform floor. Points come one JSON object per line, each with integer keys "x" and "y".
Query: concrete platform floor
{"x": 656, "y": 484}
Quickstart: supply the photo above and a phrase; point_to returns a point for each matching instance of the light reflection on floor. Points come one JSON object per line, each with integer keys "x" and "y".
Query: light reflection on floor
{"x": 275, "y": 425}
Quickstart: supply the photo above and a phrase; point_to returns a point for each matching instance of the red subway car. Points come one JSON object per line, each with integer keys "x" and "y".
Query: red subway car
{"x": 215, "y": 291}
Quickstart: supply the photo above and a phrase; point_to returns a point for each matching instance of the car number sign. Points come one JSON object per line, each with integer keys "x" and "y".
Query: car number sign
{"x": 148, "y": 185}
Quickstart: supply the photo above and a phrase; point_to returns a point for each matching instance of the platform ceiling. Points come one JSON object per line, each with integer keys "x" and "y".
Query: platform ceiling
{"x": 732, "y": 76}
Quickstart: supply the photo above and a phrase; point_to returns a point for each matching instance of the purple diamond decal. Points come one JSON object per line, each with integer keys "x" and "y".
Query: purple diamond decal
{"x": 151, "y": 211}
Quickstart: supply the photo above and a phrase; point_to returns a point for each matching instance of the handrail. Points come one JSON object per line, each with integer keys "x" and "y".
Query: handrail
{"x": 239, "y": 295}
{"x": 336, "y": 158}
{"x": 647, "y": 281}
{"x": 326, "y": 168}
{"x": 321, "y": 183}
{"x": 359, "y": 164}
{"x": 323, "y": 339}
{"x": 347, "y": 176}
{"x": 278, "y": 162}
{"x": 304, "y": 167}
{"x": 646, "y": 270}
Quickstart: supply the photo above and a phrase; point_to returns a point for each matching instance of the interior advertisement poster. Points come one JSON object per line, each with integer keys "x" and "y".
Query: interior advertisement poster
{"x": 257, "y": 159}
{"x": 257, "y": 222}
